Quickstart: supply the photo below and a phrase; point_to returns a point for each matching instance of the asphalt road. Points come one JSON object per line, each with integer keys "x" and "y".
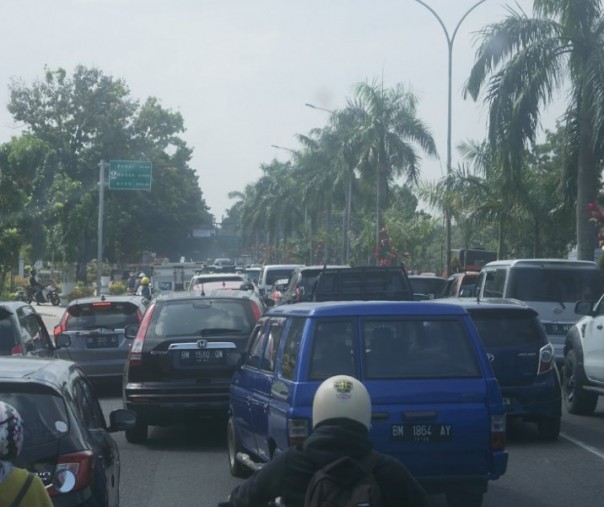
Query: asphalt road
{"x": 187, "y": 466}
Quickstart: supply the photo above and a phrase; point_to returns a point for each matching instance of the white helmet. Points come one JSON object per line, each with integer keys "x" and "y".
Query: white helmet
{"x": 141, "y": 274}
{"x": 342, "y": 396}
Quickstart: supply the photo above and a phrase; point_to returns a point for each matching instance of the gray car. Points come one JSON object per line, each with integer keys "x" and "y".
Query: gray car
{"x": 23, "y": 333}
{"x": 95, "y": 326}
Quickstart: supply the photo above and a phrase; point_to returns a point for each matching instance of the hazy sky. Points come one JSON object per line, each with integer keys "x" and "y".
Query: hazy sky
{"x": 240, "y": 71}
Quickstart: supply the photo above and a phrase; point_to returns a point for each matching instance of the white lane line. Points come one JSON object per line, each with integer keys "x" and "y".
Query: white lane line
{"x": 588, "y": 448}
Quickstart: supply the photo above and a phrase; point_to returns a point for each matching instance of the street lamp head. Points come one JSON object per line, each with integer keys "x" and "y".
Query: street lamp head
{"x": 312, "y": 106}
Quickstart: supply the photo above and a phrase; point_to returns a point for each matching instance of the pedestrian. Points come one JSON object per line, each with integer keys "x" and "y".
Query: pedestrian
{"x": 18, "y": 487}
{"x": 341, "y": 418}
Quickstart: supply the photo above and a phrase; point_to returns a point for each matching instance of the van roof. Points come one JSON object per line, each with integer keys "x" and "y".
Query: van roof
{"x": 366, "y": 308}
{"x": 542, "y": 262}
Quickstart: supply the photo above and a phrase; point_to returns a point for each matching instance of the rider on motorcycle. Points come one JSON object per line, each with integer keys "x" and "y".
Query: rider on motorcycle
{"x": 35, "y": 287}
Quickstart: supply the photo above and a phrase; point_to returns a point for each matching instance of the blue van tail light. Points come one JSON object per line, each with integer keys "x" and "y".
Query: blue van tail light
{"x": 81, "y": 464}
{"x": 498, "y": 428}
{"x": 297, "y": 431}
{"x": 547, "y": 357}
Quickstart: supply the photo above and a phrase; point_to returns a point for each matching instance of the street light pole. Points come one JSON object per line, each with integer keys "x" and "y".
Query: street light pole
{"x": 450, "y": 41}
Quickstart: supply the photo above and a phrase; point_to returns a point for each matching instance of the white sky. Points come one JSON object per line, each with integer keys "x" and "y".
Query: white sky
{"x": 240, "y": 71}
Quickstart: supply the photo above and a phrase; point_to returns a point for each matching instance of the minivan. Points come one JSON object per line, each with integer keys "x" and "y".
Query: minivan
{"x": 550, "y": 286}
{"x": 270, "y": 273}
{"x": 436, "y": 404}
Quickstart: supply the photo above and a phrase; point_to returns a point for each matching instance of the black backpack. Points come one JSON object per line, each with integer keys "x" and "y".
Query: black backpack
{"x": 345, "y": 482}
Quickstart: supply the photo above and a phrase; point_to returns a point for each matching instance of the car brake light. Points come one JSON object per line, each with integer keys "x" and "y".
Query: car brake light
{"x": 297, "y": 431}
{"x": 62, "y": 325}
{"x": 80, "y": 464}
{"x": 101, "y": 303}
{"x": 498, "y": 427}
{"x": 256, "y": 311}
{"x": 135, "y": 355}
{"x": 16, "y": 350}
{"x": 546, "y": 359}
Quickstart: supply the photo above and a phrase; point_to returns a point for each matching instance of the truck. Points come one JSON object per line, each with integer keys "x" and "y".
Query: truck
{"x": 174, "y": 276}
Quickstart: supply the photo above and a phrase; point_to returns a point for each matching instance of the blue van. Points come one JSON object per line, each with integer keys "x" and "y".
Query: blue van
{"x": 437, "y": 406}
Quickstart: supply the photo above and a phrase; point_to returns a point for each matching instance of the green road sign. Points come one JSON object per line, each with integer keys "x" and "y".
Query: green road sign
{"x": 129, "y": 175}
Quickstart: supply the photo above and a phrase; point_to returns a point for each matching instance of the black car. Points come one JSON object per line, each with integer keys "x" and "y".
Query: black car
{"x": 23, "y": 333}
{"x": 183, "y": 356}
{"x": 302, "y": 283}
{"x": 65, "y": 433}
{"x": 522, "y": 358}
{"x": 95, "y": 326}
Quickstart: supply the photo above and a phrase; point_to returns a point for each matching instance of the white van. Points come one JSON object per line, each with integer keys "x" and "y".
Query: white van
{"x": 270, "y": 273}
{"x": 550, "y": 286}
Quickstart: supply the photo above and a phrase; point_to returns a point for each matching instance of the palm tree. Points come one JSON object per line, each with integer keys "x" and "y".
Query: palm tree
{"x": 391, "y": 132}
{"x": 525, "y": 61}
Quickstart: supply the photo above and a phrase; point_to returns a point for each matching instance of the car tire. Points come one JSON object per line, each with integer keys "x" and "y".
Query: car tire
{"x": 464, "y": 498}
{"x": 576, "y": 399}
{"x": 138, "y": 434}
{"x": 236, "y": 468}
{"x": 549, "y": 428}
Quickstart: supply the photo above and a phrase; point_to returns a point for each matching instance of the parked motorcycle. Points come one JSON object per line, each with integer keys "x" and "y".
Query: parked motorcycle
{"x": 47, "y": 294}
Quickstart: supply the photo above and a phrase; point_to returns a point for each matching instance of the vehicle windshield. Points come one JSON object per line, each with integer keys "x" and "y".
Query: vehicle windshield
{"x": 189, "y": 318}
{"x": 102, "y": 314}
{"x": 564, "y": 285}
{"x": 44, "y": 415}
{"x": 498, "y": 328}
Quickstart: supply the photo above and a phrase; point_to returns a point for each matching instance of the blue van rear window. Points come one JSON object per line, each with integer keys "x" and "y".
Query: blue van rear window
{"x": 417, "y": 348}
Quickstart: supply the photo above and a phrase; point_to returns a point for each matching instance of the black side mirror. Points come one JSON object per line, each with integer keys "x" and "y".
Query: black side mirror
{"x": 121, "y": 419}
{"x": 62, "y": 341}
{"x": 130, "y": 331}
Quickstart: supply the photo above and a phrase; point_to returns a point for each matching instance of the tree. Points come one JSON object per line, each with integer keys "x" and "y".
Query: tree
{"x": 88, "y": 117}
{"x": 391, "y": 135}
{"x": 520, "y": 64}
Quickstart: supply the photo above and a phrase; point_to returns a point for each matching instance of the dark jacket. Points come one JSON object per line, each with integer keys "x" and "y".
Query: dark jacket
{"x": 289, "y": 473}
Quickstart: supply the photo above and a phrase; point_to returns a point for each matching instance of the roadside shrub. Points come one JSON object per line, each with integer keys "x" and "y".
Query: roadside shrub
{"x": 118, "y": 287}
{"x": 81, "y": 292}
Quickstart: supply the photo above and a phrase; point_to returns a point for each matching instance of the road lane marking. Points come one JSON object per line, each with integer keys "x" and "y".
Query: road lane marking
{"x": 588, "y": 448}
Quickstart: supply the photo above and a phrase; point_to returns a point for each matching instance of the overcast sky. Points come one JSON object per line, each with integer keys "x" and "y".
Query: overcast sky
{"x": 240, "y": 71}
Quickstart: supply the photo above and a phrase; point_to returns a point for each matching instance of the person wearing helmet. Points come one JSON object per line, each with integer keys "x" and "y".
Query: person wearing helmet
{"x": 18, "y": 487}
{"x": 341, "y": 418}
{"x": 35, "y": 287}
{"x": 145, "y": 289}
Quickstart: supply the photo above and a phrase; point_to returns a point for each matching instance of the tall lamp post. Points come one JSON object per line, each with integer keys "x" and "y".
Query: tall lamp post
{"x": 450, "y": 41}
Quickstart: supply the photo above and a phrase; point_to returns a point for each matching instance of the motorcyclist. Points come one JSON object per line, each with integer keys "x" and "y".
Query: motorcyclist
{"x": 35, "y": 287}
{"x": 341, "y": 417}
{"x": 145, "y": 289}
{"x": 18, "y": 487}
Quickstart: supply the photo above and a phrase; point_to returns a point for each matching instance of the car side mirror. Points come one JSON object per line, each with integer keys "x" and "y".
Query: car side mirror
{"x": 584, "y": 307}
{"x": 130, "y": 331}
{"x": 62, "y": 341}
{"x": 121, "y": 419}
{"x": 246, "y": 286}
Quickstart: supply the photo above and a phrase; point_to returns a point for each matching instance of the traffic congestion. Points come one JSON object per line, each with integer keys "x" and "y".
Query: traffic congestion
{"x": 198, "y": 440}
{"x": 294, "y": 254}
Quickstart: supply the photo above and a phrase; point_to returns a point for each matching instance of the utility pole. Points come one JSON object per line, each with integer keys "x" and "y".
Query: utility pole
{"x": 99, "y": 251}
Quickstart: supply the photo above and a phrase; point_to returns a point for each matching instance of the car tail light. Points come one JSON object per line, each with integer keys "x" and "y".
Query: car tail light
{"x": 547, "y": 358}
{"x": 62, "y": 325}
{"x": 16, "y": 350}
{"x": 297, "y": 431}
{"x": 135, "y": 355}
{"x": 80, "y": 464}
{"x": 256, "y": 311}
{"x": 498, "y": 427}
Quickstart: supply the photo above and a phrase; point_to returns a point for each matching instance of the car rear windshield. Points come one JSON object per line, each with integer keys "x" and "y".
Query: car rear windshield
{"x": 497, "y": 328}
{"x": 112, "y": 315}
{"x": 418, "y": 348}
{"x": 555, "y": 284}
{"x": 200, "y": 318}
{"x": 44, "y": 415}
{"x": 272, "y": 275}
{"x": 393, "y": 349}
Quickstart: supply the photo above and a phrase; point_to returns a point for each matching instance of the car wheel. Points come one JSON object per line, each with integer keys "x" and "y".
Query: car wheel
{"x": 464, "y": 498}
{"x": 549, "y": 428}
{"x": 138, "y": 434}
{"x": 577, "y": 400}
{"x": 235, "y": 466}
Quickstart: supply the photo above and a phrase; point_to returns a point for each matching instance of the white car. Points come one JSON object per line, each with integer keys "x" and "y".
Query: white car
{"x": 583, "y": 367}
